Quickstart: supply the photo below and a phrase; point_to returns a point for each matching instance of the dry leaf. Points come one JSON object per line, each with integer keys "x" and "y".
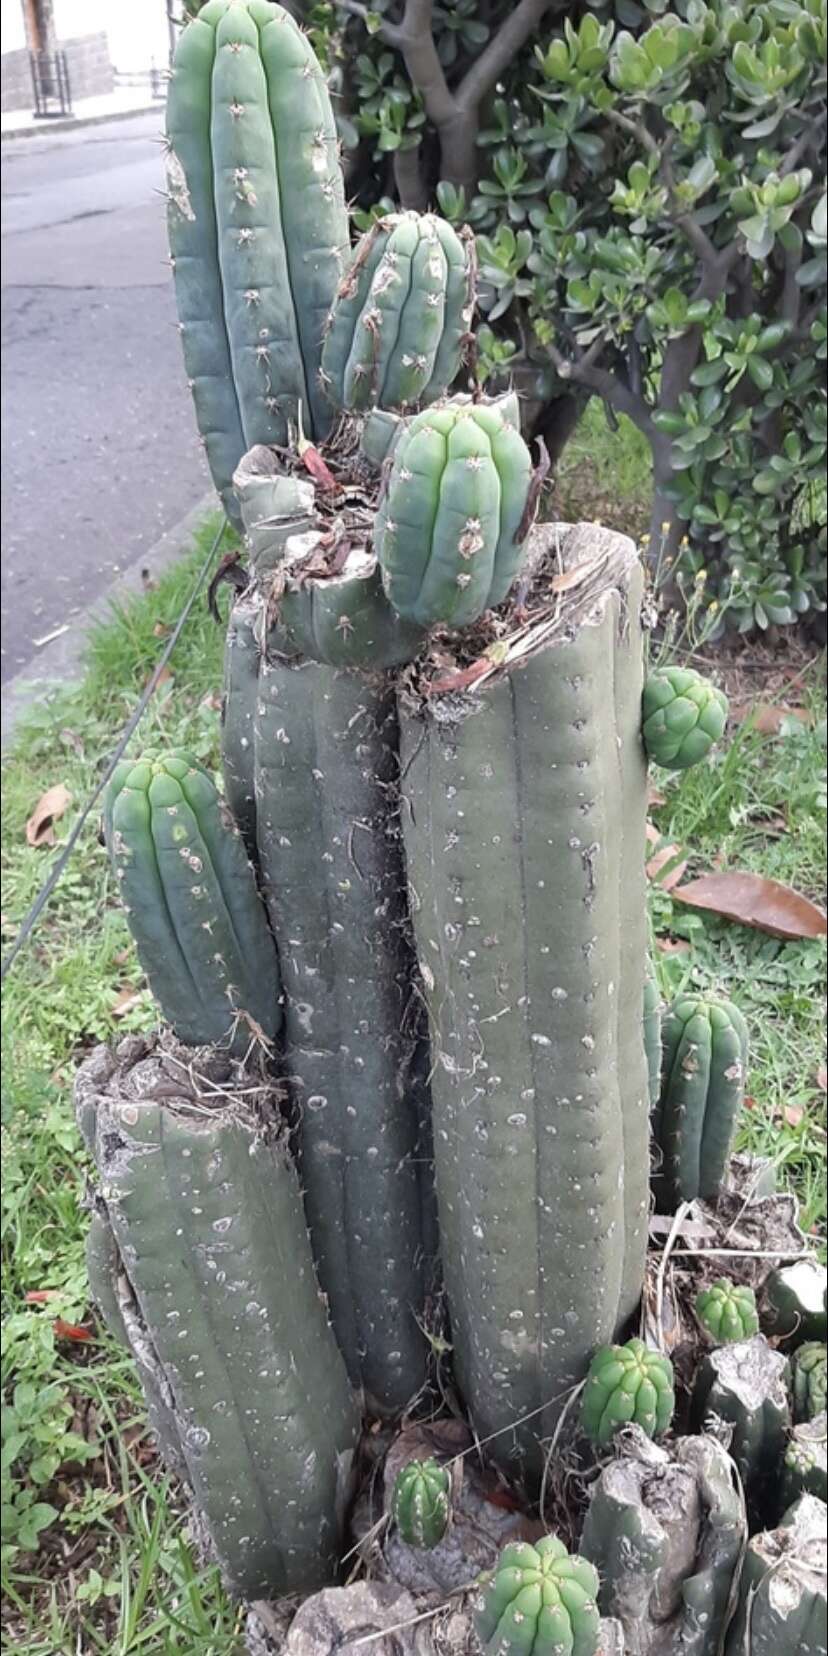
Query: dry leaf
{"x": 654, "y": 797}
{"x": 822, "y": 1078}
{"x": 164, "y": 676}
{"x": 51, "y": 806}
{"x": 313, "y": 462}
{"x": 121, "y": 957}
{"x": 668, "y": 865}
{"x": 672, "y": 945}
{"x": 793, "y": 1114}
{"x": 39, "y": 1296}
{"x": 162, "y": 629}
{"x": 755, "y": 901}
{"x": 767, "y": 717}
{"x": 748, "y": 1103}
{"x": 71, "y": 1331}
{"x": 125, "y": 1000}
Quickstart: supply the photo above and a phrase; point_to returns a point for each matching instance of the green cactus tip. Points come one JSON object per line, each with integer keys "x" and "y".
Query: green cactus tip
{"x": 810, "y": 1380}
{"x": 684, "y": 715}
{"x": 627, "y": 1384}
{"x": 727, "y": 1312}
{"x": 539, "y": 1601}
{"x": 421, "y": 1503}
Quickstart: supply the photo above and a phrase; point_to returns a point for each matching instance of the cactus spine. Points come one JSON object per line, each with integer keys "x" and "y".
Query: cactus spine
{"x": 257, "y": 225}
{"x": 512, "y": 810}
{"x": 191, "y": 901}
{"x": 704, "y": 1060}
{"x": 200, "y": 1197}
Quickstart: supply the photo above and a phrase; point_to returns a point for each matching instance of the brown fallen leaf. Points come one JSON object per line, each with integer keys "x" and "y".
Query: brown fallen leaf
{"x": 162, "y": 629}
{"x": 668, "y": 864}
{"x": 672, "y": 945}
{"x": 752, "y": 900}
{"x": 49, "y": 808}
{"x": 822, "y": 1078}
{"x": 125, "y": 1000}
{"x": 164, "y": 676}
{"x": 654, "y": 797}
{"x": 767, "y": 717}
{"x": 793, "y": 1114}
{"x": 71, "y": 1331}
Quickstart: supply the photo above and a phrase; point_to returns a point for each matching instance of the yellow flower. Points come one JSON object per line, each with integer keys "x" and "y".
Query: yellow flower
{"x": 665, "y": 526}
{"x": 712, "y": 608}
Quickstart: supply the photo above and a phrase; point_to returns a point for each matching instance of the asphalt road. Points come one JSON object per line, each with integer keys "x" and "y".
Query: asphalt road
{"x": 99, "y": 450}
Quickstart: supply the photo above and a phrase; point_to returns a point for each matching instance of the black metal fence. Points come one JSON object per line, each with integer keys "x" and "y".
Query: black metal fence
{"x": 50, "y": 82}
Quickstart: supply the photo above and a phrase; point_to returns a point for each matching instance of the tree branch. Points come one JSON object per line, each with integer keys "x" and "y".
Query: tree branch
{"x": 585, "y": 371}
{"x": 804, "y": 142}
{"x": 505, "y": 45}
{"x": 388, "y": 31}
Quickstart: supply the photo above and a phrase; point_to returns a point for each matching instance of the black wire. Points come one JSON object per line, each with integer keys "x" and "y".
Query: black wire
{"x": 45, "y": 892}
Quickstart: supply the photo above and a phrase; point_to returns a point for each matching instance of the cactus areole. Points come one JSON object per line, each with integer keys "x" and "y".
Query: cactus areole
{"x": 421, "y": 1503}
{"x": 539, "y": 1601}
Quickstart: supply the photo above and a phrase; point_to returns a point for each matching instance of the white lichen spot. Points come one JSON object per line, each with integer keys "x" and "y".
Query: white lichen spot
{"x": 179, "y": 194}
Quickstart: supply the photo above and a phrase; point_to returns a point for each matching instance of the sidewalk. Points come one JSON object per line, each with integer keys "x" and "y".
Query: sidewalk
{"x": 125, "y": 100}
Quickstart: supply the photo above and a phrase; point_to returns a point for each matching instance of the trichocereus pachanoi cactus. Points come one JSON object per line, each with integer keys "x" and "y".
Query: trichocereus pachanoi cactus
{"x": 396, "y": 332}
{"x": 627, "y": 1384}
{"x": 524, "y": 794}
{"x": 809, "y": 1380}
{"x": 454, "y": 513}
{"x": 421, "y": 1503}
{"x": 665, "y": 1530}
{"x": 257, "y": 226}
{"x": 216, "y": 1296}
{"x": 782, "y": 1589}
{"x": 805, "y": 1465}
{"x": 539, "y": 1600}
{"x": 704, "y": 1063}
{"x": 684, "y": 715}
{"x": 192, "y": 905}
{"x": 795, "y": 1302}
{"x": 727, "y": 1312}
{"x": 744, "y": 1387}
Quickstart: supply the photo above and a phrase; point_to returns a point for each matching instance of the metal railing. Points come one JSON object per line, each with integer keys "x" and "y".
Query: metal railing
{"x": 50, "y": 83}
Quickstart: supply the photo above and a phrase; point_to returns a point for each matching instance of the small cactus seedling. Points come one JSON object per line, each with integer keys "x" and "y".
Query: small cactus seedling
{"x": 805, "y": 1467}
{"x": 539, "y": 1601}
{"x": 450, "y": 528}
{"x": 401, "y": 316}
{"x": 727, "y": 1312}
{"x": 627, "y": 1384}
{"x": 703, "y": 1067}
{"x": 809, "y": 1371}
{"x": 684, "y": 715}
{"x": 421, "y": 1503}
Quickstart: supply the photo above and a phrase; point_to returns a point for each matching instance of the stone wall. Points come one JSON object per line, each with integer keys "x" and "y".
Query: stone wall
{"x": 88, "y": 65}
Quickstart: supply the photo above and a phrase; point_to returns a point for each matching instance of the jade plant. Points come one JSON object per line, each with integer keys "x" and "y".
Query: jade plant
{"x": 627, "y": 1385}
{"x": 537, "y": 1601}
{"x": 727, "y": 1312}
{"x": 421, "y": 1503}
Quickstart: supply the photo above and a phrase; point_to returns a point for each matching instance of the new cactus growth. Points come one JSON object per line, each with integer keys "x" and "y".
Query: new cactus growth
{"x": 805, "y": 1468}
{"x": 782, "y": 1590}
{"x": 451, "y": 527}
{"x": 627, "y": 1385}
{"x": 704, "y": 1060}
{"x": 665, "y": 1531}
{"x": 401, "y": 317}
{"x": 191, "y": 901}
{"x": 727, "y": 1312}
{"x": 809, "y": 1373}
{"x": 684, "y": 715}
{"x": 257, "y": 225}
{"x": 743, "y": 1386}
{"x": 539, "y": 1601}
{"x": 793, "y": 1302}
{"x": 421, "y": 1503}
{"x": 222, "y": 1307}
{"x": 526, "y": 798}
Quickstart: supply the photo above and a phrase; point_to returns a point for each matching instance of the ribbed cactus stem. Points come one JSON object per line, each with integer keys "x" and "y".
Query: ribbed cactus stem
{"x": 341, "y": 618}
{"x": 782, "y": 1592}
{"x": 520, "y": 835}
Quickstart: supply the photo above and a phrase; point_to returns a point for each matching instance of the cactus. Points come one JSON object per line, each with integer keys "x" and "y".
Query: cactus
{"x": 743, "y": 1386}
{"x": 727, "y": 1312}
{"x": 809, "y": 1373}
{"x": 793, "y": 1302}
{"x": 782, "y": 1593}
{"x": 627, "y": 1384}
{"x": 241, "y": 677}
{"x": 539, "y": 1601}
{"x": 191, "y": 900}
{"x": 805, "y": 1467}
{"x": 665, "y": 1532}
{"x": 257, "y": 225}
{"x": 704, "y": 1059}
{"x": 207, "y": 1216}
{"x": 421, "y": 1503}
{"x": 342, "y": 619}
{"x": 395, "y": 335}
{"x": 273, "y": 507}
{"x": 524, "y": 859}
{"x": 451, "y": 525}
{"x": 652, "y": 1035}
{"x": 684, "y": 715}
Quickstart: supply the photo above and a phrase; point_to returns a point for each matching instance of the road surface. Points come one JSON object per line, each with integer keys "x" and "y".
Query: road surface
{"x": 99, "y": 448}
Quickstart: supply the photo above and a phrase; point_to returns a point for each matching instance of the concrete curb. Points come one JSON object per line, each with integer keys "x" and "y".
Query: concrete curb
{"x": 73, "y": 123}
{"x": 61, "y": 662}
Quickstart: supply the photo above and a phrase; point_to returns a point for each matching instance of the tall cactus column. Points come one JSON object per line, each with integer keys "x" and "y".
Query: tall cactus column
{"x": 523, "y": 824}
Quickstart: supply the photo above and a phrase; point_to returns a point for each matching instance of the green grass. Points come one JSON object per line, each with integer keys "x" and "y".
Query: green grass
{"x": 96, "y": 1556}
{"x": 605, "y": 475}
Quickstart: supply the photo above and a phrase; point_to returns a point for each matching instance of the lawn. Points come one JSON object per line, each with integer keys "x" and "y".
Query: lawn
{"x": 95, "y": 1554}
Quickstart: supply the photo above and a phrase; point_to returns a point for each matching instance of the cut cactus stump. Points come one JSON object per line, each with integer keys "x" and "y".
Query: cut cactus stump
{"x": 782, "y": 1599}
